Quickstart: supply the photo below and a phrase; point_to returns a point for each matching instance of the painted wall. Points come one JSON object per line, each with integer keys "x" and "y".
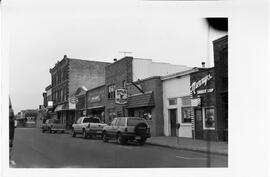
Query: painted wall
{"x": 144, "y": 68}
{"x": 176, "y": 88}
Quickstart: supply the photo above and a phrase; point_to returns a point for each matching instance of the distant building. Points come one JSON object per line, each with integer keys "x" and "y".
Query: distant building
{"x": 128, "y": 70}
{"x": 66, "y": 76}
{"x": 27, "y": 118}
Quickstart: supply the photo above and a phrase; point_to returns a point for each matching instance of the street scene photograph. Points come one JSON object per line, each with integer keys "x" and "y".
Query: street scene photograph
{"x": 89, "y": 89}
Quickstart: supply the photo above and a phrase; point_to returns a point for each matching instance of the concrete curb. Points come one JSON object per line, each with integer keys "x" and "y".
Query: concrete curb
{"x": 188, "y": 149}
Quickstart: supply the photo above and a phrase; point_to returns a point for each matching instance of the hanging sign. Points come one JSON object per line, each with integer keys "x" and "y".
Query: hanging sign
{"x": 120, "y": 96}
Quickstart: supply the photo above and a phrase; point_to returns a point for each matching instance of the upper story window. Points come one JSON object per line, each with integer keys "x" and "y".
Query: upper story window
{"x": 173, "y": 101}
{"x": 111, "y": 91}
{"x": 124, "y": 83}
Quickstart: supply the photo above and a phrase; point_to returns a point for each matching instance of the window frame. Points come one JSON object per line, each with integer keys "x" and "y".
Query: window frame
{"x": 111, "y": 94}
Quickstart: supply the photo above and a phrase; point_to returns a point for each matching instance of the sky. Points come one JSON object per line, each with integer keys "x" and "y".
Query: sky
{"x": 41, "y": 32}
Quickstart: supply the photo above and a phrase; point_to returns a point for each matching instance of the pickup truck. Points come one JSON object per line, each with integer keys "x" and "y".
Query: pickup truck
{"x": 53, "y": 125}
{"x": 87, "y": 127}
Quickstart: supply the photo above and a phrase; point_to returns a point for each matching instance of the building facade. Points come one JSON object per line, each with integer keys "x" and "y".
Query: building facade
{"x": 80, "y": 96}
{"x": 66, "y": 76}
{"x": 177, "y": 104}
{"x": 204, "y": 112}
{"x": 95, "y": 102}
{"x": 147, "y": 103}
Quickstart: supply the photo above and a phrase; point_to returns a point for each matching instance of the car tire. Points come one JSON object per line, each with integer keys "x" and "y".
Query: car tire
{"x": 63, "y": 131}
{"x": 73, "y": 134}
{"x": 50, "y": 130}
{"x": 104, "y": 137}
{"x": 84, "y": 134}
{"x": 142, "y": 141}
{"x": 121, "y": 139}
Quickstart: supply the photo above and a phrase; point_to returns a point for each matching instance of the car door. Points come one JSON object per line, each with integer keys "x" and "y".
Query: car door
{"x": 77, "y": 125}
{"x": 111, "y": 126}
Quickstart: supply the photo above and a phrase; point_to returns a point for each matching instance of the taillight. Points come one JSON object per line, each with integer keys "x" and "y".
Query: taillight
{"x": 126, "y": 129}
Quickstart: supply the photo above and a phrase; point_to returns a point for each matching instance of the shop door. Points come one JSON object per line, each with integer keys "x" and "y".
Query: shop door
{"x": 172, "y": 115}
{"x": 198, "y": 124}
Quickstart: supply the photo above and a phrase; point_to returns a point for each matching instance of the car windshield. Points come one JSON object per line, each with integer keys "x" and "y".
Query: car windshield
{"x": 134, "y": 121}
{"x": 91, "y": 120}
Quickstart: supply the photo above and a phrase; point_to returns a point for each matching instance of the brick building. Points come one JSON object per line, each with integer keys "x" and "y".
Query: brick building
{"x": 221, "y": 66}
{"x": 66, "y": 76}
{"x": 204, "y": 113}
{"x": 127, "y": 70}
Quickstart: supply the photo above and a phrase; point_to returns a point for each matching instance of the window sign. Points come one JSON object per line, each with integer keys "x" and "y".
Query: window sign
{"x": 209, "y": 118}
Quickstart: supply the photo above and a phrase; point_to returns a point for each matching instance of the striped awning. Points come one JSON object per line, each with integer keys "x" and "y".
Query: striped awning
{"x": 142, "y": 100}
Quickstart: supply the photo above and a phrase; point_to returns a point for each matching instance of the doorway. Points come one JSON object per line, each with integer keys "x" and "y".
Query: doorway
{"x": 173, "y": 117}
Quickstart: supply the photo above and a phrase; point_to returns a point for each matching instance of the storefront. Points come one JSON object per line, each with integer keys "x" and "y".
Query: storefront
{"x": 145, "y": 100}
{"x": 177, "y": 104}
{"x": 204, "y": 104}
{"x": 95, "y": 103}
{"x": 66, "y": 112}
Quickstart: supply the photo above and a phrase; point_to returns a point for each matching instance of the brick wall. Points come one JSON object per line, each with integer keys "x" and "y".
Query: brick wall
{"x": 116, "y": 73}
{"x": 90, "y": 74}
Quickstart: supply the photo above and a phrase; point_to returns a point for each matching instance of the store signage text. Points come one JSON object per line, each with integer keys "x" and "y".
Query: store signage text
{"x": 121, "y": 96}
{"x": 95, "y": 99}
{"x": 199, "y": 83}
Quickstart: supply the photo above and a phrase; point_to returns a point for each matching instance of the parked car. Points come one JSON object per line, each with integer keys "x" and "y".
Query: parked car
{"x": 87, "y": 127}
{"x": 125, "y": 129}
{"x": 53, "y": 125}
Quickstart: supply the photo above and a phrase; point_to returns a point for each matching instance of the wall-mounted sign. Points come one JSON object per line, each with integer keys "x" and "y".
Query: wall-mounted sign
{"x": 95, "y": 99}
{"x": 50, "y": 103}
{"x": 202, "y": 82}
{"x": 205, "y": 91}
{"x": 72, "y": 101}
{"x": 121, "y": 96}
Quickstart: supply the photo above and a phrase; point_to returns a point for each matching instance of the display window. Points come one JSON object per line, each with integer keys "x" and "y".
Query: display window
{"x": 186, "y": 114}
{"x": 209, "y": 119}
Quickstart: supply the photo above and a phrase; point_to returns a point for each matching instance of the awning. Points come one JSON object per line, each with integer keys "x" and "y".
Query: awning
{"x": 59, "y": 108}
{"x": 96, "y": 107}
{"x": 142, "y": 100}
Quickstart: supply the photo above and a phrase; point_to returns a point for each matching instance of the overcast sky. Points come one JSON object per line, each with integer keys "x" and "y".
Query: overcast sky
{"x": 41, "y": 32}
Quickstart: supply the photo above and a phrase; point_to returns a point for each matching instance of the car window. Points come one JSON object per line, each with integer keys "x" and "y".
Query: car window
{"x": 134, "y": 121}
{"x": 79, "y": 120}
{"x": 121, "y": 122}
{"x": 91, "y": 120}
{"x": 114, "y": 121}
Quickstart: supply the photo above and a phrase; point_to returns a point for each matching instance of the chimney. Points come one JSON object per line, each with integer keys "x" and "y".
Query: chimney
{"x": 65, "y": 56}
{"x": 115, "y": 59}
{"x": 203, "y": 64}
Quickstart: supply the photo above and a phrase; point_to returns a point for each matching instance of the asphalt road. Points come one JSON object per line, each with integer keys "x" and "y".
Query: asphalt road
{"x": 34, "y": 149}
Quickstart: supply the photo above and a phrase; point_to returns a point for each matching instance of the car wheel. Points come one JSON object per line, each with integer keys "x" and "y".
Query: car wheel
{"x": 63, "y": 131}
{"x": 142, "y": 141}
{"x": 121, "y": 139}
{"x": 50, "y": 130}
{"x": 73, "y": 134}
{"x": 84, "y": 134}
{"x": 104, "y": 137}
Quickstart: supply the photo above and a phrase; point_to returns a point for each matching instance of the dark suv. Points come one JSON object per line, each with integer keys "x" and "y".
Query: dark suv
{"x": 125, "y": 129}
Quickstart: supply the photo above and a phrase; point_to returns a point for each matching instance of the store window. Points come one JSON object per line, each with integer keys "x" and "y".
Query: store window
{"x": 143, "y": 113}
{"x": 209, "y": 118}
{"x": 186, "y": 114}
{"x": 173, "y": 101}
{"x": 111, "y": 91}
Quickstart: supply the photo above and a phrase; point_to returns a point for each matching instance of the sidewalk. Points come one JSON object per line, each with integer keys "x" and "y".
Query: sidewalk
{"x": 190, "y": 144}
